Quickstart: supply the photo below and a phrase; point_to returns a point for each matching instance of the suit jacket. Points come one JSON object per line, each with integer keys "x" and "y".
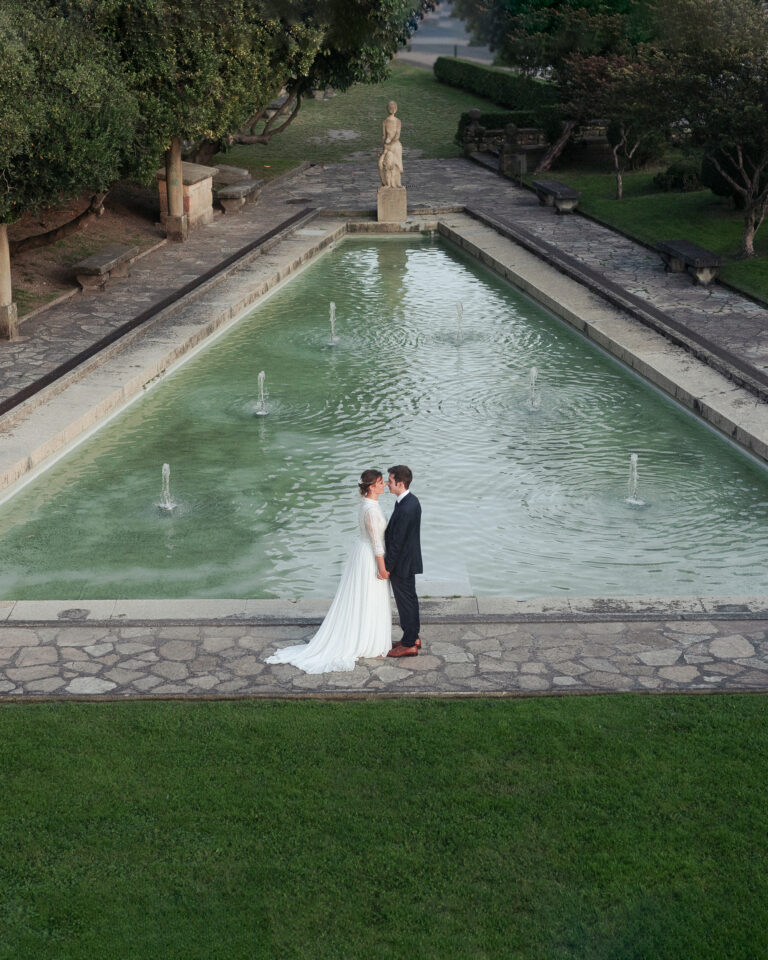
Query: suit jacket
{"x": 402, "y": 538}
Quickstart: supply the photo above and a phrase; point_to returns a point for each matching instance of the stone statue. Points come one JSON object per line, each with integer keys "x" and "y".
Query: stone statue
{"x": 391, "y": 159}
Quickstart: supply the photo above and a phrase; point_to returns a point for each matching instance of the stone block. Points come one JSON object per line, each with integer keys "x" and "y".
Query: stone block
{"x": 197, "y": 199}
{"x": 392, "y": 204}
{"x": 177, "y": 228}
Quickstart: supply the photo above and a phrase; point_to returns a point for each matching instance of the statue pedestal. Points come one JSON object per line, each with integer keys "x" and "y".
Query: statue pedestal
{"x": 392, "y": 204}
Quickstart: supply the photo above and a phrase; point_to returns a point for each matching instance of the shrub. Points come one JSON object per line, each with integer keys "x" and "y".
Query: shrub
{"x": 513, "y": 90}
{"x": 680, "y": 177}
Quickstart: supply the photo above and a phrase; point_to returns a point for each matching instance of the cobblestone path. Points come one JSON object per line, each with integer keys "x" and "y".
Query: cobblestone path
{"x": 461, "y": 658}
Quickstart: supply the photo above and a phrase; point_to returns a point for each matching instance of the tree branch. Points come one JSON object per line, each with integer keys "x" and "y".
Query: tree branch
{"x": 736, "y": 186}
{"x": 280, "y": 110}
{"x": 94, "y": 209}
{"x": 266, "y": 135}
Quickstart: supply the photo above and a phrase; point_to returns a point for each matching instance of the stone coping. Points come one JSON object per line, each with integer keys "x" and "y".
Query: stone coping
{"x": 739, "y": 370}
{"x": 87, "y": 360}
{"x": 309, "y": 611}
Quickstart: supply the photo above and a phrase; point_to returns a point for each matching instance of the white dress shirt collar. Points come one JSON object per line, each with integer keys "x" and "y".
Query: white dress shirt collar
{"x": 403, "y": 495}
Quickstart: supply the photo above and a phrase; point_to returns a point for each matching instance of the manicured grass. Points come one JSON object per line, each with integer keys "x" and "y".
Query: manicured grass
{"x": 429, "y": 112}
{"x": 604, "y": 827}
{"x": 651, "y": 216}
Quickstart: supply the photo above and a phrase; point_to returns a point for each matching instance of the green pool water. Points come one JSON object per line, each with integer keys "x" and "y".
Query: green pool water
{"x": 522, "y": 496}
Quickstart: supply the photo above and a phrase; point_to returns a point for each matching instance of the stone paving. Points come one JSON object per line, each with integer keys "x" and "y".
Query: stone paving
{"x": 517, "y": 658}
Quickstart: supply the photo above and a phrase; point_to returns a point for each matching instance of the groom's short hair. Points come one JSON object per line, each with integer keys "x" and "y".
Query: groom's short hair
{"x": 402, "y": 474}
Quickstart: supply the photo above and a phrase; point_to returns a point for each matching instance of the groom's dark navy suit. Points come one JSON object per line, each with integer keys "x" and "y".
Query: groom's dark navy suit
{"x": 402, "y": 558}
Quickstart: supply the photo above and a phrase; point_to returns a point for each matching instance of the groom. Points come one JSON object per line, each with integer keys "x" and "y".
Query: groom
{"x": 402, "y": 559}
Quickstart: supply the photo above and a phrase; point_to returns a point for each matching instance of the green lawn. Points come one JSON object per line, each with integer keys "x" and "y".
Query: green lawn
{"x": 651, "y": 216}
{"x": 601, "y": 827}
{"x": 429, "y": 112}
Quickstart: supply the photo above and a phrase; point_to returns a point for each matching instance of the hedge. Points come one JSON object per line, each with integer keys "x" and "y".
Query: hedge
{"x": 512, "y": 90}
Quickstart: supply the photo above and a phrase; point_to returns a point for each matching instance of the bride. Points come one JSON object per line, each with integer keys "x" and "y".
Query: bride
{"x": 359, "y": 622}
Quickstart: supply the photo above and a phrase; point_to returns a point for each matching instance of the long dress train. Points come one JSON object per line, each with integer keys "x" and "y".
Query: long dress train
{"x": 359, "y": 621}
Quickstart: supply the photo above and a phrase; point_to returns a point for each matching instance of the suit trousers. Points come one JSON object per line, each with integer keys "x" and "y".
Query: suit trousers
{"x": 404, "y": 589}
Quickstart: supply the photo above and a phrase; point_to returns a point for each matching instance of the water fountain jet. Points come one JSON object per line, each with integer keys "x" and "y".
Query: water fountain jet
{"x": 166, "y": 501}
{"x": 261, "y": 409}
{"x": 459, "y": 311}
{"x": 633, "y": 482}
{"x": 334, "y": 339}
{"x": 534, "y": 396}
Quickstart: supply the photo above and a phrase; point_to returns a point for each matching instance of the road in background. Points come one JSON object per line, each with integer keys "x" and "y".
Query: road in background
{"x": 440, "y": 34}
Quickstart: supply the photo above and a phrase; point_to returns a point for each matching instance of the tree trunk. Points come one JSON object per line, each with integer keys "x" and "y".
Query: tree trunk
{"x": 617, "y": 171}
{"x": 554, "y": 151}
{"x": 268, "y": 132}
{"x": 6, "y": 291}
{"x": 176, "y": 222}
{"x": 748, "y": 234}
{"x": 174, "y": 179}
{"x": 94, "y": 210}
{"x": 9, "y": 317}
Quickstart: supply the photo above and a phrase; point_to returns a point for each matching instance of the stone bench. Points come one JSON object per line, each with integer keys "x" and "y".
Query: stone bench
{"x": 232, "y": 196}
{"x": 95, "y": 271}
{"x": 680, "y": 255}
{"x": 225, "y": 175}
{"x": 553, "y": 193}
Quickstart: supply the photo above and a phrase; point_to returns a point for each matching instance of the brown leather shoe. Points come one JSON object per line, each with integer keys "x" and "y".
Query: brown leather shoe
{"x": 401, "y": 651}
{"x": 399, "y": 643}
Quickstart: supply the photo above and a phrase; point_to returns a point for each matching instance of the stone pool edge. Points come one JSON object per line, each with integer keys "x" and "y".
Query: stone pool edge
{"x": 731, "y": 409}
{"x": 310, "y": 611}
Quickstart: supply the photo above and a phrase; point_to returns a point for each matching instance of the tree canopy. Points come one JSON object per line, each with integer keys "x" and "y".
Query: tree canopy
{"x": 67, "y": 114}
{"x": 712, "y": 64}
{"x": 537, "y": 35}
{"x": 93, "y": 90}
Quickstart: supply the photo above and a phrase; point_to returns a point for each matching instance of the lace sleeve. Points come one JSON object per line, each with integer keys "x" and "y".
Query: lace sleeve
{"x": 374, "y": 526}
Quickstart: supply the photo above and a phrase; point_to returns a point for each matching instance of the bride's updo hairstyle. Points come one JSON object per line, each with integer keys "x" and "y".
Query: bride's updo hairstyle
{"x": 367, "y": 480}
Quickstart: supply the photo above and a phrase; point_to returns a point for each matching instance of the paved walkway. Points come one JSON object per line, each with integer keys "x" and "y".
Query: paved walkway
{"x": 188, "y": 660}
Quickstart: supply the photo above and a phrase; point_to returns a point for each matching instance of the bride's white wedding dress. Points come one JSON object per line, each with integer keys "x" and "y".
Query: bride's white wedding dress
{"x": 359, "y": 622}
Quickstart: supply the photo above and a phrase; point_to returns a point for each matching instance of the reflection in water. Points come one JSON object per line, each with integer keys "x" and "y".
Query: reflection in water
{"x": 524, "y": 489}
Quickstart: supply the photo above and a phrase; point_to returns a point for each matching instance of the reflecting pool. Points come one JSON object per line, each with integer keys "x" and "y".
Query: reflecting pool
{"x": 524, "y": 475}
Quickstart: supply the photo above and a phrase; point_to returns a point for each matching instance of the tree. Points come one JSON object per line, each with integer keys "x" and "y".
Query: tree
{"x": 713, "y": 64}
{"x": 339, "y": 43}
{"x": 66, "y": 115}
{"x": 537, "y": 35}
{"x": 196, "y": 68}
{"x": 625, "y": 92}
